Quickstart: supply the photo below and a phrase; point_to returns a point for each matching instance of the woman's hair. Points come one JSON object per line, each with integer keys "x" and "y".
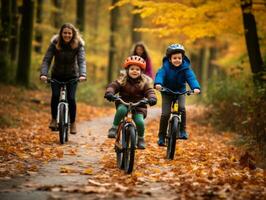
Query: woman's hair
{"x": 145, "y": 54}
{"x": 74, "y": 42}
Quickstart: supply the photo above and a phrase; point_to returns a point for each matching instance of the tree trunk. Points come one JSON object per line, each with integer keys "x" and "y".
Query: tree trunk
{"x": 136, "y": 23}
{"x": 95, "y": 38}
{"x": 57, "y": 16}
{"x": 81, "y": 4}
{"x": 112, "y": 45}
{"x": 38, "y": 32}
{"x": 25, "y": 43}
{"x": 251, "y": 36}
{"x": 205, "y": 67}
{"x": 14, "y": 31}
{"x": 5, "y": 40}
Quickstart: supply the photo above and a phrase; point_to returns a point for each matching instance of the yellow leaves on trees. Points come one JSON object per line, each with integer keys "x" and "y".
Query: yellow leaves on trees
{"x": 191, "y": 19}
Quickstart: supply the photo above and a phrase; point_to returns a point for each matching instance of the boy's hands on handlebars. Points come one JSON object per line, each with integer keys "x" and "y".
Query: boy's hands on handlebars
{"x": 109, "y": 96}
{"x": 158, "y": 87}
{"x": 152, "y": 101}
{"x": 196, "y": 91}
{"x": 43, "y": 78}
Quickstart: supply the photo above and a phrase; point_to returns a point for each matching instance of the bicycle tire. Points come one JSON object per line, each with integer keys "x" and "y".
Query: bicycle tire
{"x": 63, "y": 126}
{"x": 118, "y": 147}
{"x": 171, "y": 143}
{"x": 129, "y": 152}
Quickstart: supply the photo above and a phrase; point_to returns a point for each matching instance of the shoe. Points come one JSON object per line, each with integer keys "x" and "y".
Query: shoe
{"x": 53, "y": 125}
{"x": 112, "y": 132}
{"x": 183, "y": 135}
{"x": 73, "y": 128}
{"x": 141, "y": 143}
{"x": 161, "y": 141}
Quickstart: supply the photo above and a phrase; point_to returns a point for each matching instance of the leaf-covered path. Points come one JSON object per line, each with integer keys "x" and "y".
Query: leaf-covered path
{"x": 205, "y": 167}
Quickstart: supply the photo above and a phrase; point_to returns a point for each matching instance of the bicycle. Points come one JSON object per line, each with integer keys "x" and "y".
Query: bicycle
{"x": 62, "y": 119}
{"x": 173, "y": 130}
{"x": 126, "y": 137}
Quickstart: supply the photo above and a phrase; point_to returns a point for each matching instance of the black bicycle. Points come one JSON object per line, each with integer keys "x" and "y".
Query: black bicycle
{"x": 63, "y": 120}
{"x": 173, "y": 130}
{"x": 126, "y": 137}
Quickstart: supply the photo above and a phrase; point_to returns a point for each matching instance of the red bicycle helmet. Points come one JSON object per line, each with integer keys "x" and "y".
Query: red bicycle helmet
{"x": 135, "y": 60}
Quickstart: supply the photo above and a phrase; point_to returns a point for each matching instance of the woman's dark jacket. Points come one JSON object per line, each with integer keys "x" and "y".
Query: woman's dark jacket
{"x": 68, "y": 63}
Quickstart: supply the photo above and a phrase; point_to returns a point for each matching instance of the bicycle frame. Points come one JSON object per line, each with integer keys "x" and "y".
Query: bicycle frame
{"x": 126, "y": 138}
{"x": 62, "y": 117}
{"x": 63, "y": 100}
{"x": 173, "y": 131}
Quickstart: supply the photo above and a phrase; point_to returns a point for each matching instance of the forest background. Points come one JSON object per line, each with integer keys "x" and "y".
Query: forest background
{"x": 225, "y": 41}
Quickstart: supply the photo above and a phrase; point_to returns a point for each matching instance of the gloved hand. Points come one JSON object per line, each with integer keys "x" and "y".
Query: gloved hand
{"x": 109, "y": 96}
{"x": 152, "y": 101}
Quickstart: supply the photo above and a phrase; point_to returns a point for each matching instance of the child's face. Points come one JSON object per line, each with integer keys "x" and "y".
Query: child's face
{"x": 176, "y": 59}
{"x": 134, "y": 71}
{"x": 139, "y": 50}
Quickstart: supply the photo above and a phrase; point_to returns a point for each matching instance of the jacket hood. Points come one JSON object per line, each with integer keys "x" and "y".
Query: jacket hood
{"x": 185, "y": 63}
{"x": 54, "y": 39}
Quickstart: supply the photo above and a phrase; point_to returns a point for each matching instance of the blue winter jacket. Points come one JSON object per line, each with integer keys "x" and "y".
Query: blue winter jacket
{"x": 175, "y": 78}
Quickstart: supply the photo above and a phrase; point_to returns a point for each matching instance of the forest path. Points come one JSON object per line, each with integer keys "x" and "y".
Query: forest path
{"x": 205, "y": 167}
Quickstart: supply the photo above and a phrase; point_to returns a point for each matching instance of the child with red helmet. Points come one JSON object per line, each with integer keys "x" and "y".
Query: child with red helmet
{"x": 132, "y": 86}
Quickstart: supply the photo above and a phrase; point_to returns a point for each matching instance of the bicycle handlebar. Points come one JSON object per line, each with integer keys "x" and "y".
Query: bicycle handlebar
{"x": 169, "y": 91}
{"x": 52, "y": 80}
{"x": 142, "y": 101}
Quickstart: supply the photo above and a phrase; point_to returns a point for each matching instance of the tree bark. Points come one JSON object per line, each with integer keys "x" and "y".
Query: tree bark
{"x": 5, "y": 39}
{"x": 251, "y": 36}
{"x": 112, "y": 45}
{"x": 81, "y": 5}
{"x": 95, "y": 38}
{"x": 25, "y": 43}
{"x": 205, "y": 67}
{"x": 38, "y": 32}
{"x": 136, "y": 23}
{"x": 57, "y": 16}
{"x": 14, "y": 31}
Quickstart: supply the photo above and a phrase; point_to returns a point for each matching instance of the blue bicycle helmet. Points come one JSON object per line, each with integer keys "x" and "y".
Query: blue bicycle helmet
{"x": 175, "y": 48}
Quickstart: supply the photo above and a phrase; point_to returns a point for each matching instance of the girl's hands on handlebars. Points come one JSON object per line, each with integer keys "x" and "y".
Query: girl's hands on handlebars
{"x": 196, "y": 91}
{"x": 109, "y": 96}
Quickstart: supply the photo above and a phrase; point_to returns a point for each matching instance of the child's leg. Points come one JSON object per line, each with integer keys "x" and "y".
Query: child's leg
{"x": 120, "y": 114}
{"x": 182, "y": 109}
{"x": 139, "y": 121}
{"x": 166, "y": 111}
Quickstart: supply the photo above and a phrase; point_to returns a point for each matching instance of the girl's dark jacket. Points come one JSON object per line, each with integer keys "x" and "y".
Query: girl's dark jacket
{"x": 175, "y": 78}
{"x": 68, "y": 63}
{"x": 133, "y": 90}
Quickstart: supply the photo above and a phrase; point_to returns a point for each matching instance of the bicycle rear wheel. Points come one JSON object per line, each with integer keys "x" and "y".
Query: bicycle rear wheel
{"x": 129, "y": 153}
{"x": 63, "y": 125}
{"x": 119, "y": 147}
{"x": 171, "y": 144}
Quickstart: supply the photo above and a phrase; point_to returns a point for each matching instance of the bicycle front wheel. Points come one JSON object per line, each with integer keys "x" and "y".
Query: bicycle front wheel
{"x": 173, "y": 132}
{"x": 63, "y": 125}
{"x": 129, "y": 152}
{"x": 119, "y": 147}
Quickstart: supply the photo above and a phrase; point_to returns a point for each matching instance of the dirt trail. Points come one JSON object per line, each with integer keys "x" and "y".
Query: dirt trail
{"x": 72, "y": 176}
{"x": 205, "y": 167}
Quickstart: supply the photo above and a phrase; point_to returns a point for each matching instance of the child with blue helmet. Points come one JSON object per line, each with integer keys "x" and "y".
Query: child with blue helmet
{"x": 174, "y": 74}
